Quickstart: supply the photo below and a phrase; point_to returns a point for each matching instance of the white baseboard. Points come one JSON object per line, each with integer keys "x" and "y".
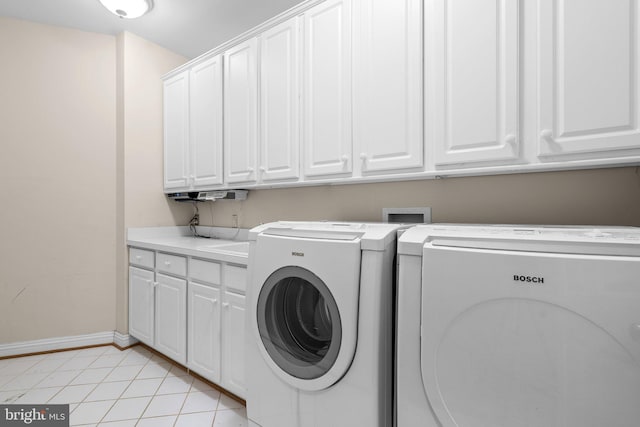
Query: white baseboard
{"x": 123, "y": 340}
{"x": 61, "y": 343}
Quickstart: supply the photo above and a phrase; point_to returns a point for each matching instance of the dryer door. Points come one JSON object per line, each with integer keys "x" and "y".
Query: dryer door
{"x": 530, "y": 339}
{"x": 299, "y": 322}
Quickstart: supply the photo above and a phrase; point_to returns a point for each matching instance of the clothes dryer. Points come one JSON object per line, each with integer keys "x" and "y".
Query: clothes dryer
{"x": 320, "y": 346}
{"x": 502, "y": 326}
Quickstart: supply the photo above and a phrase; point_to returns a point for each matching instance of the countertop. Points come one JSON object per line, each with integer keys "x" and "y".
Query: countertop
{"x": 224, "y": 244}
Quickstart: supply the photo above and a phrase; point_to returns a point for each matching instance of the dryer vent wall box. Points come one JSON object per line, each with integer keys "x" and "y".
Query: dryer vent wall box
{"x": 407, "y": 215}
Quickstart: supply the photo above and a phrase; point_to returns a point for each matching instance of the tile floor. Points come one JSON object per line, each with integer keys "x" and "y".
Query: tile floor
{"x": 108, "y": 387}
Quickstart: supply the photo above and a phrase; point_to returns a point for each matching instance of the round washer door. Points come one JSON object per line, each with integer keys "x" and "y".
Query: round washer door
{"x": 299, "y": 323}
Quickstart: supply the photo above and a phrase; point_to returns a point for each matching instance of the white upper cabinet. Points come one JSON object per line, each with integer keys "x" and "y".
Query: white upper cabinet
{"x": 387, "y": 84}
{"x": 589, "y": 69}
{"x": 176, "y": 131}
{"x": 280, "y": 102}
{"x": 340, "y": 91}
{"x": 472, "y": 79}
{"x": 327, "y": 142}
{"x": 241, "y": 112}
{"x": 205, "y": 134}
{"x": 193, "y": 127}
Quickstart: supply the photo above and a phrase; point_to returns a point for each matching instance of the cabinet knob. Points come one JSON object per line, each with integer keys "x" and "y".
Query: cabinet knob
{"x": 250, "y": 170}
{"x": 344, "y": 158}
{"x": 363, "y": 157}
{"x": 547, "y": 135}
{"x": 167, "y": 263}
{"x": 215, "y": 300}
{"x": 155, "y": 284}
{"x": 263, "y": 169}
{"x": 225, "y": 304}
{"x": 510, "y": 139}
{"x": 138, "y": 257}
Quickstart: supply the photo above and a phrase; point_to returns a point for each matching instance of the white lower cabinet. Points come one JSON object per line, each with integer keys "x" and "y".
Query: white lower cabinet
{"x": 191, "y": 310}
{"x": 141, "y": 310}
{"x": 158, "y": 302}
{"x": 233, "y": 322}
{"x": 171, "y": 318}
{"x": 216, "y": 324}
{"x": 203, "y": 333}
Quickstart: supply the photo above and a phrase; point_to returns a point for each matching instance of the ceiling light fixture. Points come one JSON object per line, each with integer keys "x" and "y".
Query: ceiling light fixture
{"x": 128, "y": 8}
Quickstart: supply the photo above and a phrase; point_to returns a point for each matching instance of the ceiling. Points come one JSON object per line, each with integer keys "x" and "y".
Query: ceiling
{"x": 187, "y": 27}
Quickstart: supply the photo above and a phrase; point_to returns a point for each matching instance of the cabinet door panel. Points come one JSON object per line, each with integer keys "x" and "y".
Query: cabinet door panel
{"x": 141, "y": 305}
{"x": 206, "y": 123}
{"x": 279, "y": 100}
{"x": 240, "y": 112}
{"x": 473, "y": 80}
{"x": 327, "y": 89}
{"x": 203, "y": 327}
{"x": 388, "y": 113}
{"x": 176, "y": 131}
{"x": 233, "y": 359}
{"x": 170, "y": 317}
{"x": 588, "y": 76}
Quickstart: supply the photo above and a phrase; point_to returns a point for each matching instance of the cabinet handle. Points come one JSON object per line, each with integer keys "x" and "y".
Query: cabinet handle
{"x": 225, "y": 304}
{"x": 510, "y": 139}
{"x": 547, "y": 135}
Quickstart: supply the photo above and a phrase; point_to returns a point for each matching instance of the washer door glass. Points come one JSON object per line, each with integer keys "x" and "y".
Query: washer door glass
{"x": 299, "y": 322}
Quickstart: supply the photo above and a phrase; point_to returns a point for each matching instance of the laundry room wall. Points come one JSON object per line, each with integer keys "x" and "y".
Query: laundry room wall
{"x": 81, "y": 134}
{"x": 57, "y": 168}
{"x": 598, "y": 196}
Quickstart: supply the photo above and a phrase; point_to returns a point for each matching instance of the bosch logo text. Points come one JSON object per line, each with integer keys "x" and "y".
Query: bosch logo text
{"x": 528, "y": 279}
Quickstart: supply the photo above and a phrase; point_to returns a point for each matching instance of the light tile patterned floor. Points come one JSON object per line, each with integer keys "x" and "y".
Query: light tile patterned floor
{"x": 108, "y": 387}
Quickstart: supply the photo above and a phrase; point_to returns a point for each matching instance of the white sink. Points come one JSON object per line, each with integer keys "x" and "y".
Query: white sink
{"x": 238, "y": 247}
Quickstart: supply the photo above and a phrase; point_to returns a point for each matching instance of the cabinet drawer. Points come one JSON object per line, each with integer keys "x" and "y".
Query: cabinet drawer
{"x": 173, "y": 264}
{"x": 204, "y": 271}
{"x": 235, "y": 277}
{"x": 141, "y": 257}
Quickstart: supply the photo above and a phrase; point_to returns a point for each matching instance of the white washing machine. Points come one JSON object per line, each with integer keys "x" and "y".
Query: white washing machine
{"x": 503, "y": 326}
{"x": 320, "y": 343}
